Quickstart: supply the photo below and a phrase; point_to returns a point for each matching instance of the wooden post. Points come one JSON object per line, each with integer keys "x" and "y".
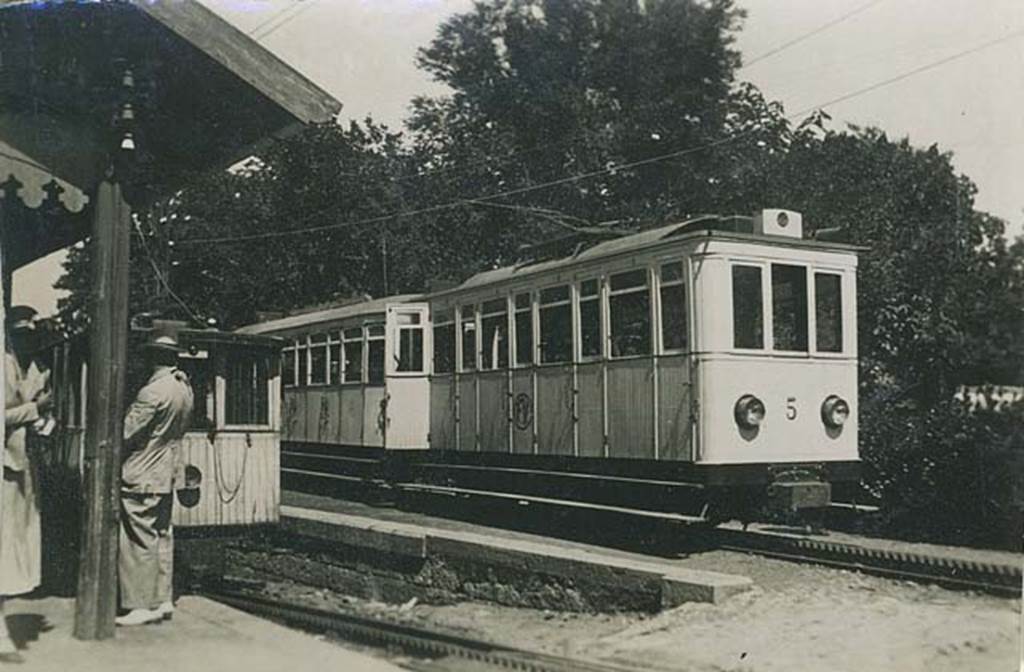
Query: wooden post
{"x": 96, "y": 605}
{"x": 4, "y": 298}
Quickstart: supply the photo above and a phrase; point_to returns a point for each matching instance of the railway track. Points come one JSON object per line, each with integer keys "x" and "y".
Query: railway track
{"x": 998, "y": 579}
{"x": 432, "y": 648}
{"x": 988, "y": 577}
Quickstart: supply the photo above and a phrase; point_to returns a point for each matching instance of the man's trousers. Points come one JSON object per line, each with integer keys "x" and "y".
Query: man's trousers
{"x": 145, "y": 563}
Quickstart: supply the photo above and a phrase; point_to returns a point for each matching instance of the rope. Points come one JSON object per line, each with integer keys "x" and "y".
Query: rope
{"x": 218, "y": 469}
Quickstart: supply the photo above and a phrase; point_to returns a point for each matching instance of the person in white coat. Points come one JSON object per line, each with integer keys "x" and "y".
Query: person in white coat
{"x": 153, "y": 428}
{"x": 27, "y": 403}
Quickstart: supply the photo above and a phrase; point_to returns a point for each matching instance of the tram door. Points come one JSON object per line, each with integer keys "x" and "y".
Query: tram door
{"x": 407, "y": 403}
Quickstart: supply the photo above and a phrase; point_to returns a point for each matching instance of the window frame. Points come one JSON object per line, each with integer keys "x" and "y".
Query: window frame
{"x": 684, "y": 281}
{"x": 482, "y": 317}
{"x": 460, "y": 320}
{"x": 325, "y": 344}
{"x": 514, "y": 313}
{"x": 302, "y": 351}
{"x": 345, "y": 340}
{"x": 393, "y": 346}
{"x": 293, "y": 351}
{"x": 369, "y": 338}
{"x": 444, "y": 318}
{"x": 767, "y": 325}
{"x": 207, "y": 398}
{"x": 844, "y": 347}
{"x": 611, "y": 293}
{"x": 334, "y": 339}
{"x": 222, "y": 388}
{"x": 602, "y": 325}
{"x": 540, "y": 306}
{"x": 808, "y": 318}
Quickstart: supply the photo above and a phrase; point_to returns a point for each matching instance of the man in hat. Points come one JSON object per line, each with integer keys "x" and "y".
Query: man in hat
{"x": 27, "y": 401}
{"x": 153, "y": 428}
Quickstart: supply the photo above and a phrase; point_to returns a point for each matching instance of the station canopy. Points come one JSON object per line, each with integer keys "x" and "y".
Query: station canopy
{"x": 202, "y": 95}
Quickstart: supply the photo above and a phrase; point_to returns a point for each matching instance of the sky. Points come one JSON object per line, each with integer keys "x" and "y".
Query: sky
{"x": 363, "y": 52}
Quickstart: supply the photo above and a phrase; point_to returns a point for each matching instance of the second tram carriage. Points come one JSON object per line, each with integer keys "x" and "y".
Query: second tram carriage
{"x": 702, "y": 368}
{"x": 232, "y": 448}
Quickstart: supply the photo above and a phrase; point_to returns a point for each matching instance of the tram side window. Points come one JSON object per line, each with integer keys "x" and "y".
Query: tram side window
{"x": 789, "y": 308}
{"x": 247, "y": 397}
{"x": 444, "y": 343}
{"x": 375, "y": 354}
{"x": 555, "y": 325}
{"x": 467, "y": 319}
{"x": 410, "y": 343}
{"x": 334, "y": 369}
{"x": 828, "y": 311}
{"x": 494, "y": 344}
{"x": 303, "y": 350}
{"x": 524, "y": 330}
{"x": 353, "y": 354}
{"x": 630, "y": 310}
{"x": 747, "y": 308}
{"x": 673, "y": 307}
{"x": 288, "y": 367}
{"x": 318, "y": 359}
{"x": 590, "y": 319}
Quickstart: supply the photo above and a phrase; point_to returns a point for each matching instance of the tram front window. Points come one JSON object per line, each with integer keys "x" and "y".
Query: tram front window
{"x": 829, "y": 312}
{"x": 789, "y": 307}
{"x": 246, "y": 396}
{"x": 200, "y": 376}
{"x": 747, "y": 309}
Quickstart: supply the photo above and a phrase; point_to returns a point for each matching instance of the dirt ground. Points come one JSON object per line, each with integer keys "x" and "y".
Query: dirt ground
{"x": 797, "y": 617}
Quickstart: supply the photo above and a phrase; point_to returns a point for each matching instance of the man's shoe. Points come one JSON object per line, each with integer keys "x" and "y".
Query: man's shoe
{"x": 166, "y": 610}
{"x": 139, "y": 617}
{"x": 9, "y": 652}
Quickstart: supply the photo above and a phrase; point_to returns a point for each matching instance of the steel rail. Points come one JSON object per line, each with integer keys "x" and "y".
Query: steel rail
{"x": 411, "y": 639}
{"x": 998, "y": 579}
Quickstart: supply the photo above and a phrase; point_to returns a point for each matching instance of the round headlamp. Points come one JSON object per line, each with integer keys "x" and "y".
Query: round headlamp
{"x": 749, "y": 411}
{"x": 835, "y": 411}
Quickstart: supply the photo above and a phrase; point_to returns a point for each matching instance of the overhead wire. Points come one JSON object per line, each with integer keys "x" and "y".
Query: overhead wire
{"x": 160, "y": 276}
{"x": 776, "y": 50}
{"x": 914, "y": 71}
{"x": 274, "y": 16}
{"x": 806, "y": 36}
{"x": 603, "y": 171}
{"x": 303, "y": 7}
{"x": 539, "y": 146}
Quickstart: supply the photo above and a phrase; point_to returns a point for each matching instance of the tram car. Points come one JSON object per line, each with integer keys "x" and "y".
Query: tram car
{"x": 705, "y": 368}
{"x": 232, "y": 450}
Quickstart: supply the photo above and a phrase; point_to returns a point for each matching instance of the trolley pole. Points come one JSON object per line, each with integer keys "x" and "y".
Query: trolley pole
{"x": 96, "y": 605}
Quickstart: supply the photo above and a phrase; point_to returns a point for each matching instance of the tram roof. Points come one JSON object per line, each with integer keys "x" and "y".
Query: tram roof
{"x": 338, "y": 314}
{"x": 706, "y": 226}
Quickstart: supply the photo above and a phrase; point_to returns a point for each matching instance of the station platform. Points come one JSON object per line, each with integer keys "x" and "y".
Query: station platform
{"x": 203, "y": 635}
{"x": 598, "y": 576}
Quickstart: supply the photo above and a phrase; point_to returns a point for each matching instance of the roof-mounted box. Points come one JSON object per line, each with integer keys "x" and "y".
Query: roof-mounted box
{"x": 773, "y": 222}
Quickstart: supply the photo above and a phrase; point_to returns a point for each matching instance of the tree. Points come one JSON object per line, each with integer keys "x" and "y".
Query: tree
{"x": 550, "y": 89}
{"x": 219, "y": 248}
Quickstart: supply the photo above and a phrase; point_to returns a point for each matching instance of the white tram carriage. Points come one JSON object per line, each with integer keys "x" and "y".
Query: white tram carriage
{"x": 700, "y": 368}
